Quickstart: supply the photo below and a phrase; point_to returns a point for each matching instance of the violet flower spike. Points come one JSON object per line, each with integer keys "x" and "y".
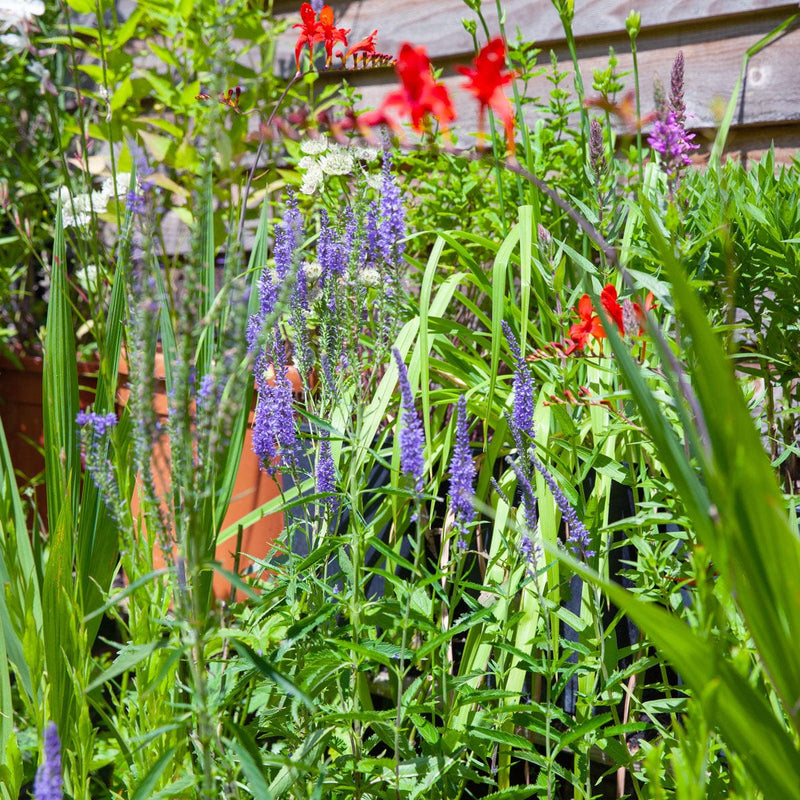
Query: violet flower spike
{"x": 676, "y": 101}
{"x": 528, "y": 496}
{"x": 578, "y": 538}
{"x": 522, "y": 414}
{"x": 274, "y": 432}
{"x": 671, "y": 140}
{"x": 326, "y": 475}
{"x": 392, "y": 223}
{"x": 412, "y": 437}
{"x": 462, "y": 476}
{"x": 48, "y": 782}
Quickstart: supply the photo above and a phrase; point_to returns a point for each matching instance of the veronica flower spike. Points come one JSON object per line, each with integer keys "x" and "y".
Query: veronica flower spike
{"x": 462, "y": 476}
{"x": 412, "y": 437}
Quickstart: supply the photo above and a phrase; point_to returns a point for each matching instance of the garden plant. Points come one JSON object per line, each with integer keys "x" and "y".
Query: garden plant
{"x": 530, "y": 398}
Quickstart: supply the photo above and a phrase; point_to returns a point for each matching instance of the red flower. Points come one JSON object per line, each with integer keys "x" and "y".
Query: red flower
{"x": 608, "y": 298}
{"x": 589, "y": 325}
{"x": 486, "y": 80}
{"x": 419, "y": 95}
{"x": 310, "y": 32}
{"x": 365, "y": 46}
{"x": 330, "y": 34}
{"x": 649, "y": 305}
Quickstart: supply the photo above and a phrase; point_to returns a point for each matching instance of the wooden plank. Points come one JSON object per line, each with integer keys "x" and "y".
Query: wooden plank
{"x": 771, "y": 93}
{"x": 437, "y": 25}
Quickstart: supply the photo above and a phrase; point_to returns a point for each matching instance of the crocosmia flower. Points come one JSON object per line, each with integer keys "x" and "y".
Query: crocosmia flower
{"x": 589, "y": 325}
{"x": 366, "y": 47}
{"x": 330, "y": 33}
{"x": 612, "y": 307}
{"x": 310, "y": 32}
{"x": 419, "y": 96}
{"x": 485, "y": 80}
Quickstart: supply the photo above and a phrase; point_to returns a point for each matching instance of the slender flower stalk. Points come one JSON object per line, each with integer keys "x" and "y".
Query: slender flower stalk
{"x": 525, "y": 487}
{"x": 48, "y": 782}
{"x": 391, "y": 225}
{"x": 522, "y": 413}
{"x": 412, "y": 437}
{"x": 578, "y": 538}
{"x": 462, "y": 476}
{"x": 326, "y": 475}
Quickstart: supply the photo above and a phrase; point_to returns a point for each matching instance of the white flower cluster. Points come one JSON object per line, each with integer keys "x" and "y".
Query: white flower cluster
{"x": 19, "y": 13}
{"x": 322, "y": 157}
{"x": 77, "y": 211}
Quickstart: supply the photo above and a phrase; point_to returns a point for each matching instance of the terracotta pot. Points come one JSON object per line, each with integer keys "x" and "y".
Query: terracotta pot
{"x": 23, "y": 422}
{"x": 253, "y": 488}
{"x": 22, "y": 412}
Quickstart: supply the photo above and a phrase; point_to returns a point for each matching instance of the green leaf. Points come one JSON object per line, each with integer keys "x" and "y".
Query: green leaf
{"x": 145, "y": 789}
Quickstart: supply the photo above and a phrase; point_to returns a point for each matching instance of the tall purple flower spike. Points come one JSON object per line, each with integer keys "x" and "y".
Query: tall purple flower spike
{"x": 462, "y": 475}
{"x": 412, "y": 438}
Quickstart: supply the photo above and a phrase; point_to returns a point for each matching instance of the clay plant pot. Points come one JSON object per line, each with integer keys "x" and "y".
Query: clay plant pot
{"x": 23, "y": 421}
{"x": 252, "y": 489}
{"x": 22, "y": 412}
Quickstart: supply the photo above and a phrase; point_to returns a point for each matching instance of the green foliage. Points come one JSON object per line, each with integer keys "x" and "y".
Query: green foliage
{"x": 368, "y": 655}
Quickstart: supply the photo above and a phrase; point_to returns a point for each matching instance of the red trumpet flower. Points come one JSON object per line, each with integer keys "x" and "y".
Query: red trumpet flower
{"x": 485, "y": 80}
{"x": 589, "y": 325}
{"x": 330, "y": 34}
{"x": 608, "y": 298}
{"x": 418, "y": 97}
{"x": 313, "y": 30}
{"x": 366, "y": 47}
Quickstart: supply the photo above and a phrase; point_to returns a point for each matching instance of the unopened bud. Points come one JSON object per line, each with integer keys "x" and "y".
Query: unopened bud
{"x": 633, "y": 24}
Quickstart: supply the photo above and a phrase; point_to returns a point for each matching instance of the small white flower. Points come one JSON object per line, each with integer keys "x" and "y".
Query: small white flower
{"x": 312, "y": 179}
{"x": 337, "y": 163}
{"x": 13, "y": 41}
{"x": 77, "y": 211}
{"x": 306, "y": 162}
{"x": 86, "y": 276}
{"x": 19, "y": 13}
{"x": 311, "y": 147}
{"x": 369, "y": 276}
{"x": 123, "y": 186}
{"x": 364, "y": 153}
{"x": 375, "y": 181}
{"x": 313, "y": 272}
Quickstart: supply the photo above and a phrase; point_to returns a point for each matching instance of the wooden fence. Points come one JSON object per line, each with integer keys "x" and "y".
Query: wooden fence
{"x": 713, "y": 34}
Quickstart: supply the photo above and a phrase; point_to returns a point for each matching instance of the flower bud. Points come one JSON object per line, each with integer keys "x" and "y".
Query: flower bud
{"x": 633, "y": 24}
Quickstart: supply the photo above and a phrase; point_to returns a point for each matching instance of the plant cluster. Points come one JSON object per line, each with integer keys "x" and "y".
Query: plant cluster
{"x": 539, "y": 536}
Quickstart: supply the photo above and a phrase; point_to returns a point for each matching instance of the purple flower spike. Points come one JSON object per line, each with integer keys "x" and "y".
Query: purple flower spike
{"x": 412, "y": 438}
{"x": 676, "y": 101}
{"x": 326, "y": 474}
{"x": 98, "y": 423}
{"x": 273, "y": 425}
{"x": 48, "y": 782}
{"x": 671, "y": 140}
{"x": 528, "y": 496}
{"x": 392, "y": 223}
{"x": 578, "y": 538}
{"x": 462, "y": 475}
{"x": 522, "y": 414}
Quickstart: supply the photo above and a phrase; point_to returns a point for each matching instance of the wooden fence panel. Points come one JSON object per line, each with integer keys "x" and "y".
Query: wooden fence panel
{"x": 713, "y": 34}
